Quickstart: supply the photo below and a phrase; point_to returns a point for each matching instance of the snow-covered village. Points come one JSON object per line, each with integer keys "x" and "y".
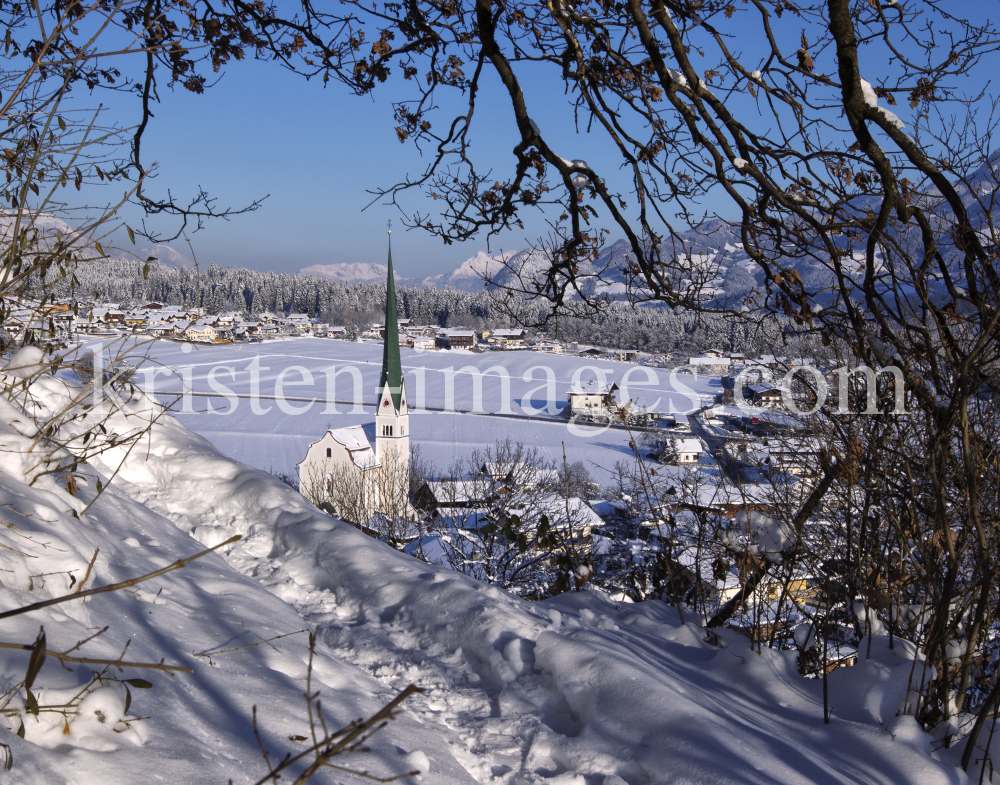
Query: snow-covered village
{"x": 499, "y": 394}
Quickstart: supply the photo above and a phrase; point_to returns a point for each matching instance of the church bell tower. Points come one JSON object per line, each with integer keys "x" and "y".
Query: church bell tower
{"x": 392, "y": 426}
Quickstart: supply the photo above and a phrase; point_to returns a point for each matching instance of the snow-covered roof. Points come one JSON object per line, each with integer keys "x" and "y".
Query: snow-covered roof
{"x": 454, "y": 491}
{"x": 581, "y": 515}
{"x": 519, "y": 472}
{"x": 593, "y": 387}
{"x": 355, "y": 441}
{"x": 463, "y": 517}
{"x": 709, "y": 360}
{"x": 607, "y": 508}
{"x": 689, "y": 445}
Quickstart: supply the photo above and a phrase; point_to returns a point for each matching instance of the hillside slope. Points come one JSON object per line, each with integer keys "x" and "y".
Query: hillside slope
{"x": 187, "y": 728}
{"x": 573, "y": 691}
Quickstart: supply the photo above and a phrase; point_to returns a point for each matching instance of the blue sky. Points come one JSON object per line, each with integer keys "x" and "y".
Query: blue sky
{"x": 316, "y": 152}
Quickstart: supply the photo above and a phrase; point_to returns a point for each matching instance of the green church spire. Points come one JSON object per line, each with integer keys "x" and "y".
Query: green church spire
{"x": 392, "y": 368}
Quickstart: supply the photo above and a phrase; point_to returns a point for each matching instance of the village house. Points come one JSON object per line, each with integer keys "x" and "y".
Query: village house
{"x": 435, "y": 494}
{"x": 160, "y": 329}
{"x": 594, "y": 399}
{"x": 689, "y": 451}
{"x": 503, "y": 338}
{"x": 299, "y": 321}
{"x": 798, "y": 456}
{"x": 401, "y": 325}
{"x": 504, "y": 473}
{"x": 767, "y": 396}
{"x": 421, "y": 342}
{"x": 456, "y": 339}
{"x": 108, "y": 316}
{"x": 200, "y": 332}
{"x": 709, "y": 362}
{"x": 549, "y": 347}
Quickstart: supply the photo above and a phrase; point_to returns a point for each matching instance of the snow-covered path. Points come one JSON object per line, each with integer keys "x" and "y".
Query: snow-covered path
{"x": 573, "y": 691}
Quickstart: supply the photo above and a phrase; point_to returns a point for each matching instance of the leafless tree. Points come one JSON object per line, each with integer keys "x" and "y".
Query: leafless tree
{"x": 375, "y": 499}
{"x": 871, "y": 230}
{"x": 504, "y": 520}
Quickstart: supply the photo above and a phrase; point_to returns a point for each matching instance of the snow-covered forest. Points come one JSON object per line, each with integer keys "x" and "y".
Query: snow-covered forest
{"x": 652, "y": 328}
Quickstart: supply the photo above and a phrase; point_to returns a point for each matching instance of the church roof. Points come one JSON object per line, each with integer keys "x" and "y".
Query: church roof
{"x": 392, "y": 368}
{"x": 357, "y": 445}
{"x": 355, "y": 441}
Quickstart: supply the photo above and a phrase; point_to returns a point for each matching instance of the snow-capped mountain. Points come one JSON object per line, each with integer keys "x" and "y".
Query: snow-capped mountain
{"x": 166, "y": 255}
{"x": 468, "y": 276}
{"x": 471, "y": 274}
{"x": 46, "y": 225}
{"x": 349, "y": 272}
{"x": 712, "y": 260}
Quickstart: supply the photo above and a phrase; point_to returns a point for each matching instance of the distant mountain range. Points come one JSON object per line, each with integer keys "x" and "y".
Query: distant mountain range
{"x": 467, "y": 277}
{"x": 716, "y": 265}
{"x": 722, "y": 268}
{"x": 49, "y": 227}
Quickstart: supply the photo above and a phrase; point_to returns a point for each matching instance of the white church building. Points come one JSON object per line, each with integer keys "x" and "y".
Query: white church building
{"x": 342, "y": 470}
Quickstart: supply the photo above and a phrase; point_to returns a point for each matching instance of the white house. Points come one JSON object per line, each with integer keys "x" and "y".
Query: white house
{"x": 506, "y": 338}
{"x": 689, "y": 450}
{"x": 421, "y": 342}
{"x": 710, "y": 362}
{"x": 592, "y": 398}
{"x": 200, "y": 332}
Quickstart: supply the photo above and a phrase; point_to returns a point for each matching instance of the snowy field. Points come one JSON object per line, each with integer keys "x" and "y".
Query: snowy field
{"x": 273, "y": 438}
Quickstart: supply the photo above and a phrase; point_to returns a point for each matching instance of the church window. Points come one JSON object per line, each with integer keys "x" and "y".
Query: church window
{"x": 329, "y": 452}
